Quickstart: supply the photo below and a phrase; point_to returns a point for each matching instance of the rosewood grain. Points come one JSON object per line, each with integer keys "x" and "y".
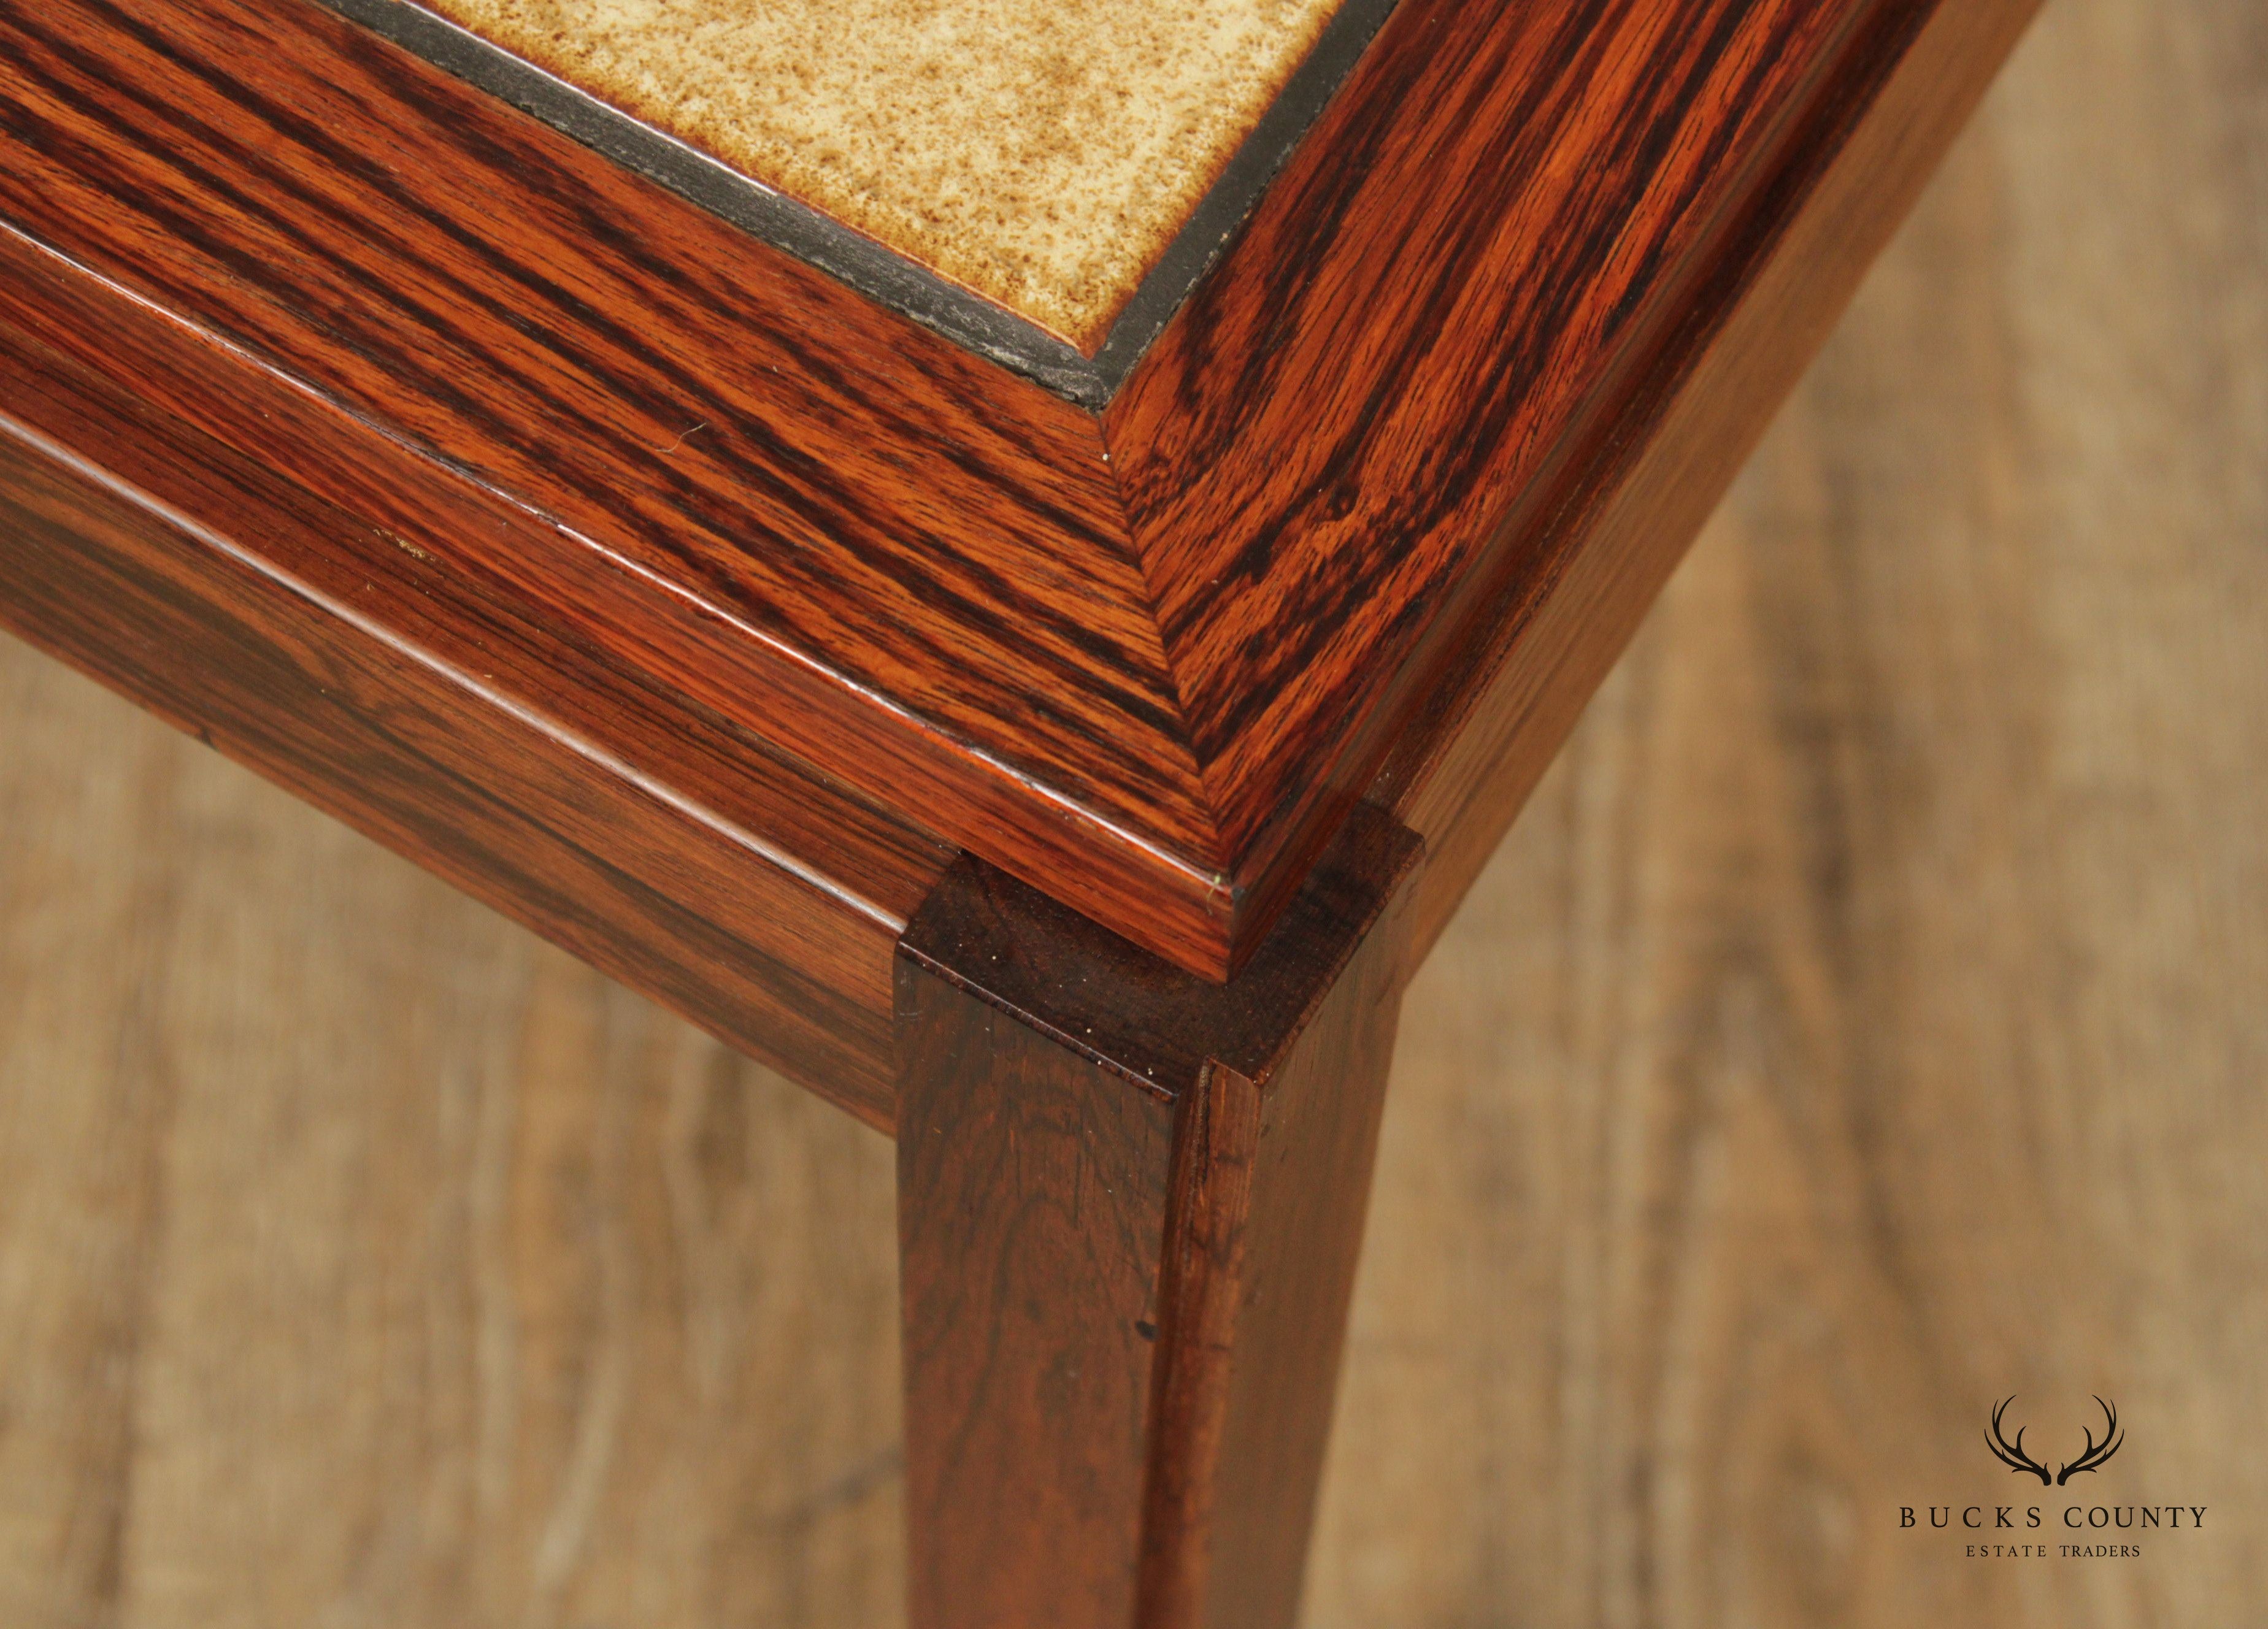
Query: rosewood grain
{"x": 1130, "y": 1202}
{"x": 1271, "y": 1189}
{"x": 1031, "y": 1205}
{"x": 344, "y": 660}
{"x": 1505, "y": 216}
{"x": 1490, "y": 726}
{"x": 918, "y": 555}
{"x": 1147, "y": 663}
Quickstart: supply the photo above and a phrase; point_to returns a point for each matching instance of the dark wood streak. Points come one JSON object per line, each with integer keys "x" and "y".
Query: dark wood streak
{"x": 1460, "y": 773}
{"x": 1147, "y": 663}
{"x": 1430, "y": 321}
{"x": 901, "y": 520}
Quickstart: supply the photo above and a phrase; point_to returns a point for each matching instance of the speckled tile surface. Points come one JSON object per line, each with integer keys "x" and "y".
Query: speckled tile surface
{"x": 1041, "y": 152}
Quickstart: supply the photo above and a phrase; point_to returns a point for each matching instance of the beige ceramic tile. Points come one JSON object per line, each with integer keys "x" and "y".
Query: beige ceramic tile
{"x": 1041, "y": 152}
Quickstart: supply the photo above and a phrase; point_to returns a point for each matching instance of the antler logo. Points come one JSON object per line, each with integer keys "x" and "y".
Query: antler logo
{"x": 2013, "y": 1456}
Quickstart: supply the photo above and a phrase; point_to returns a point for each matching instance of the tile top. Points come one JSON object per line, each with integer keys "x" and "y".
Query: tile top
{"x": 1041, "y": 153}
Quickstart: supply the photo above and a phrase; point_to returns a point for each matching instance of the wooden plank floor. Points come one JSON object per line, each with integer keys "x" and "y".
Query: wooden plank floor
{"x": 1869, "y": 1019}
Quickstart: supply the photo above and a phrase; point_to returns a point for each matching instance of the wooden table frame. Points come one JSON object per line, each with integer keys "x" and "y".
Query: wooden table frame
{"x": 1136, "y": 1098}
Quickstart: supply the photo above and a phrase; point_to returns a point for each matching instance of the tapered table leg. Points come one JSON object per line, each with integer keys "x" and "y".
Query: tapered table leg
{"x": 1129, "y": 1204}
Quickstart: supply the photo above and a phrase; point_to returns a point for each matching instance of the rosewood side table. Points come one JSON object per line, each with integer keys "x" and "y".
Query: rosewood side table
{"x": 1010, "y": 558}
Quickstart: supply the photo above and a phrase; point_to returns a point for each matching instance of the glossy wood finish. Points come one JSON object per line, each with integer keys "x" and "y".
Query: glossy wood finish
{"x": 332, "y": 650}
{"x": 878, "y": 551}
{"x": 1269, "y": 1204}
{"x": 1359, "y": 425}
{"x": 1031, "y": 1212}
{"x": 1145, "y": 662}
{"x": 1130, "y": 1202}
{"x": 364, "y": 1259}
{"x": 373, "y": 485}
{"x": 1863, "y": 1015}
{"x": 1489, "y": 721}
{"x": 1591, "y": 565}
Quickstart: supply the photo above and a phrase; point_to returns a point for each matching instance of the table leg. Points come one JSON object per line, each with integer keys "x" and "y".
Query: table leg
{"x": 1129, "y": 1205}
